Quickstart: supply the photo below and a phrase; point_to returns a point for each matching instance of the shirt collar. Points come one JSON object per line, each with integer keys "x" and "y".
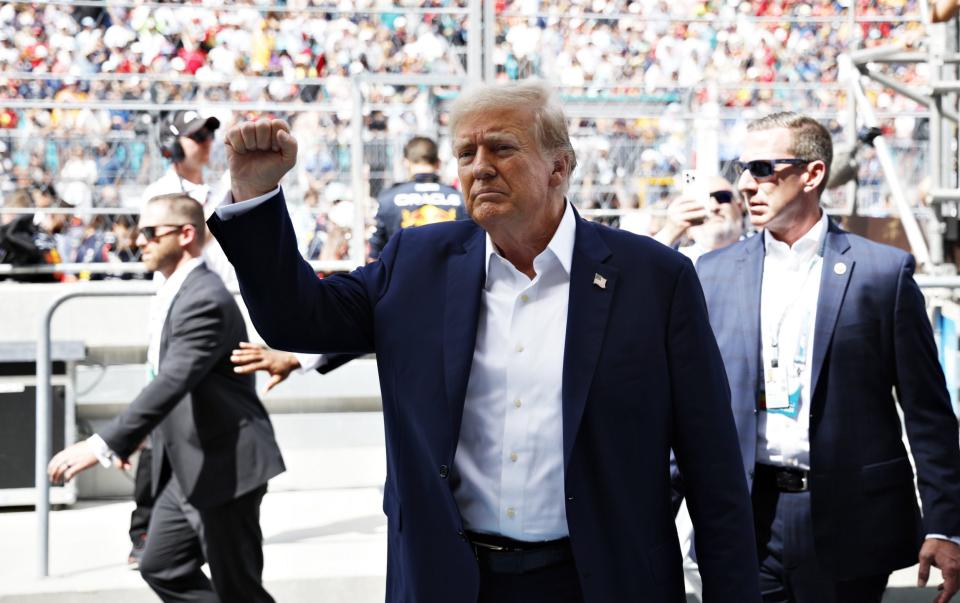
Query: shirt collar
{"x": 561, "y": 245}
{"x": 805, "y": 248}
{"x": 172, "y": 285}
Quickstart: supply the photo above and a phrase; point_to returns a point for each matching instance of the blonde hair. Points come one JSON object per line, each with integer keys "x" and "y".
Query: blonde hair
{"x": 549, "y": 121}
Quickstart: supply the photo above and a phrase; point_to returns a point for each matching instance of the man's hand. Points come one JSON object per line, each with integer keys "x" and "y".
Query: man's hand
{"x": 252, "y": 357}
{"x": 259, "y": 153}
{"x": 682, "y": 213}
{"x": 70, "y": 461}
{"x": 943, "y": 554}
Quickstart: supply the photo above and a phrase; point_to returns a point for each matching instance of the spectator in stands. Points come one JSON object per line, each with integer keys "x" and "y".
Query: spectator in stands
{"x": 420, "y": 200}
{"x": 77, "y": 177}
{"x": 93, "y": 247}
{"x": 696, "y": 226}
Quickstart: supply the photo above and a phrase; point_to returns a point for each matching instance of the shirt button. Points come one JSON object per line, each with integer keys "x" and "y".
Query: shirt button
{"x": 519, "y": 347}
{"x": 514, "y": 456}
{"x": 444, "y": 471}
{"x": 511, "y": 513}
{"x": 524, "y": 298}
{"x": 517, "y": 402}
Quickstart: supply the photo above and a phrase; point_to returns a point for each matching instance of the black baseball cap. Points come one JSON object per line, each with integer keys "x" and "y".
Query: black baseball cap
{"x": 187, "y": 123}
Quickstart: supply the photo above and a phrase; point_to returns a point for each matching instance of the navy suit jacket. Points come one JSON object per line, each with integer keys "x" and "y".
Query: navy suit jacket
{"x": 641, "y": 373}
{"x": 872, "y": 338}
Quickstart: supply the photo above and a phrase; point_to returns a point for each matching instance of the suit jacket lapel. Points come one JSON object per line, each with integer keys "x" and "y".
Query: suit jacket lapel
{"x": 833, "y": 287}
{"x": 587, "y": 315}
{"x": 166, "y": 328}
{"x": 465, "y": 275}
{"x": 750, "y": 276}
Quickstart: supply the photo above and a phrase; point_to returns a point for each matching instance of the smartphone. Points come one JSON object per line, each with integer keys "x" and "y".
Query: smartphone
{"x": 692, "y": 187}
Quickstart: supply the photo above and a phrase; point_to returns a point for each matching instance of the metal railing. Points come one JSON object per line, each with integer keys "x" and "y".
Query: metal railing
{"x": 44, "y": 423}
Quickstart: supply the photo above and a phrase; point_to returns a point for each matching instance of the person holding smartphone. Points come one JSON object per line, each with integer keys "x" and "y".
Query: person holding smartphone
{"x": 695, "y": 226}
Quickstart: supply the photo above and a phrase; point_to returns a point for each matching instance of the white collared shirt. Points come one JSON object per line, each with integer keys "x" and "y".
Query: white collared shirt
{"x": 508, "y": 469}
{"x": 788, "y": 304}
{"x": 160, "y": 307}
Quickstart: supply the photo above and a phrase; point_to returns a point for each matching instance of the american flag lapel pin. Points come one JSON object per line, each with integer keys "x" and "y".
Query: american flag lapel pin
{"x": 599, "y": 281}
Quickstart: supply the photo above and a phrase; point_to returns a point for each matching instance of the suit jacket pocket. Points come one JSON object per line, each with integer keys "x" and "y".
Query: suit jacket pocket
{"x": 865, "y": 329}
{"x": 888, "y": 474}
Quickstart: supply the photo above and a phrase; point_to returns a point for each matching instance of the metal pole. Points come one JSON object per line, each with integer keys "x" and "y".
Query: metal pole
{"x": 489, "y": 40}
{"x": 43, "y": 411}
{"x": 360, "y": 196}
{"x": 475, "y": 42}
{"x": 42, "y": 444}
{"x": 910, "y": 227}
{"x": 900, "y": 88}
{"x": 851, "y": 188}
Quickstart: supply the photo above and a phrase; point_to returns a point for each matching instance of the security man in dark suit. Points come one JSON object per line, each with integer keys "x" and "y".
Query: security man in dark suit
{"x": 422, "y": 200}
{"x": 823, "y": 335}
{"x": 214, "y": 446}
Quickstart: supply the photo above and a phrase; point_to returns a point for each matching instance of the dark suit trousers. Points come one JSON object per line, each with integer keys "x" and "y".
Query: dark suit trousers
{"x": 555, "y": 584}
{"x": 228, "y": 537}
{"x": 143, "y": 496}
{"x": 789, "y": 569}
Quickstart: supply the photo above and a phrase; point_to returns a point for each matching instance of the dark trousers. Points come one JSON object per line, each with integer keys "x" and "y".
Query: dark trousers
{"x": 142, "y": 496}
{"x": 554, "y": 584}
{"x": 789, "y": 569}
{"x": 227, "y": 537}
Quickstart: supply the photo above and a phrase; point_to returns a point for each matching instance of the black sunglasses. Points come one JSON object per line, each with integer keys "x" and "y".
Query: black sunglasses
{"x": 722, "y": 196}
{"x": 763, "y": 168}
{"x": 150, "y": 232}
{"x": 201, "y": 136}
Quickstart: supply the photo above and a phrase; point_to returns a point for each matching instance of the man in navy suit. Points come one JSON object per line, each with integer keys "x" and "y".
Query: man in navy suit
{"x": 818, "y": 328}
{"x": 536, "y": 369}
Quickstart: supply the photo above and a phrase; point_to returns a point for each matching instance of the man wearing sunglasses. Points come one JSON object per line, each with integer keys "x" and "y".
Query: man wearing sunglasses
{"x": 186, "y": 139}
{"x": 699, "y": 226}
{"x": 823, "y": 334}
{"x": 214, "y": 445}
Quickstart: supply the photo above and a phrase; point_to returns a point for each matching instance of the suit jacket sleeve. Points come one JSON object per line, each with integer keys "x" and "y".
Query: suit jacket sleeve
{"x": 707, "y": 451}
{"x": 931, "y": 425}
{"x": 194, "y": 345}
{"x": 290, "y": 306}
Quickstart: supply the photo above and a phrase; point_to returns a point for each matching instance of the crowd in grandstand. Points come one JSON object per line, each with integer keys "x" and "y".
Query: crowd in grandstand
{"x": 675, "y": 56}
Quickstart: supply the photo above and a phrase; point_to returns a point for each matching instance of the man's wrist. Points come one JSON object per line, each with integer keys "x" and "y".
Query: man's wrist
{"x": 670, "y": 233}
{"x": 241, "y": 192}
{"x": 953, "y": 539}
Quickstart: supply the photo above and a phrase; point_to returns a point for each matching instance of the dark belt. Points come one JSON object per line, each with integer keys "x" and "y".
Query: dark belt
{"x": 786, "y": 479}
{"x": 503, "y": 555}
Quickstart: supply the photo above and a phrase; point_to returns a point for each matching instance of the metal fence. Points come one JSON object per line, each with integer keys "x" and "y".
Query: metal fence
{"x": 638, "y": 86}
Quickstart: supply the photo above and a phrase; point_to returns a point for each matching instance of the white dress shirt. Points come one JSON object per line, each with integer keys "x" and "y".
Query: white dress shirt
{"x": 788, "y": 307}
{"x": 508, "y": 469}
{"x": 159, "y": 308}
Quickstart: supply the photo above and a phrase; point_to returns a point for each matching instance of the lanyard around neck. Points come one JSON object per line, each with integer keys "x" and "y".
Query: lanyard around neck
{"x": 800, "y": 355}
